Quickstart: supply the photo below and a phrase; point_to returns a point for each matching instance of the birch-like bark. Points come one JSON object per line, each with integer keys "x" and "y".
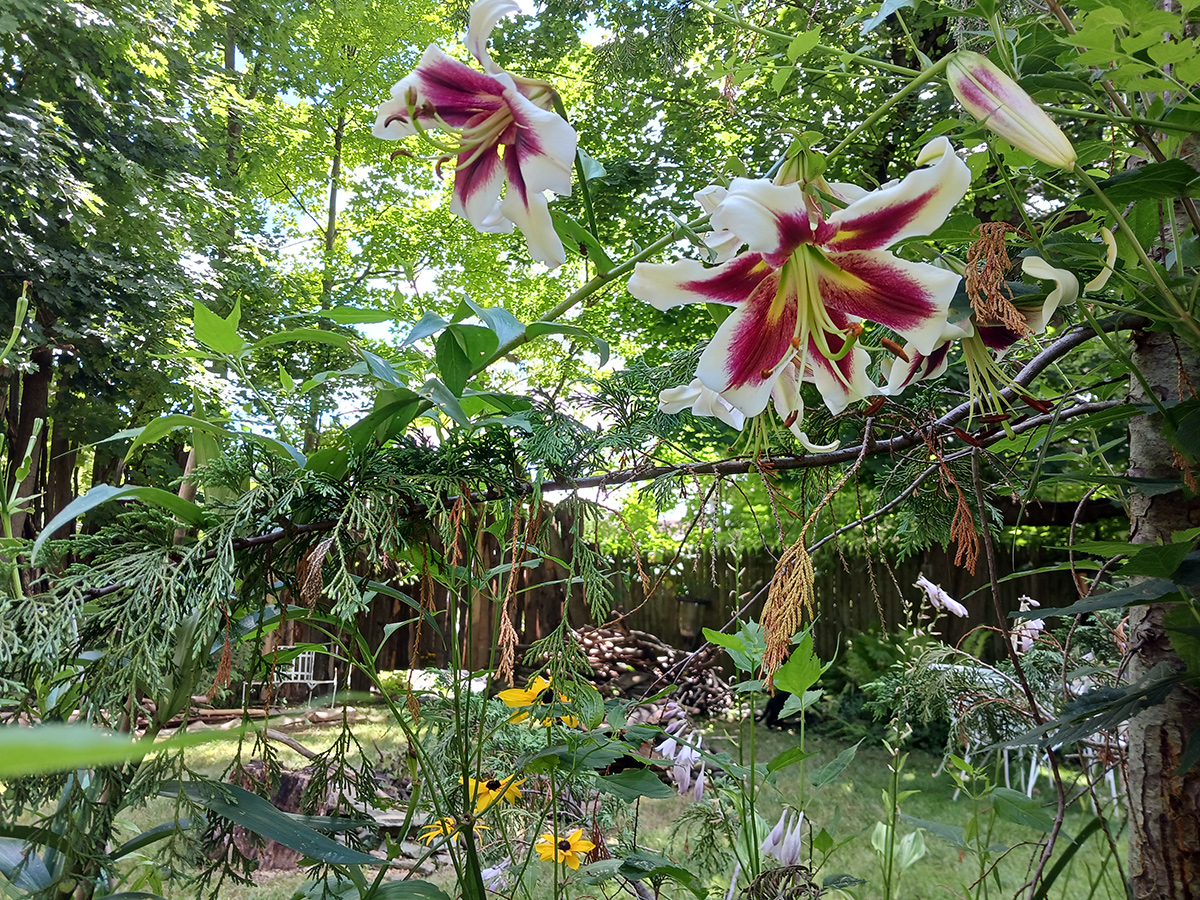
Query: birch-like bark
{"x": 1164, "y": 806}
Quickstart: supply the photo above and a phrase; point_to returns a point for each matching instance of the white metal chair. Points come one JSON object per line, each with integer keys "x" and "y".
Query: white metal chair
{"x": 301, "y": 670}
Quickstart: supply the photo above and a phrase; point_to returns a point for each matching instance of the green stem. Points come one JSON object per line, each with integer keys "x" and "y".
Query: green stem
{"x": 18, "y": 589}
{"x": 580, "y": 174}
{"x": 919, "y": 79}
{"x": 1165, "y": 292}
{"x": 779, "y": 35}
{"x": 1124, "y": 120}
{"x": 18, "y": 322}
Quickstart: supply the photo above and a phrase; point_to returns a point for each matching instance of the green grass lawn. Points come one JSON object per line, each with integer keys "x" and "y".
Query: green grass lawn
{"x": 849, "y": 806}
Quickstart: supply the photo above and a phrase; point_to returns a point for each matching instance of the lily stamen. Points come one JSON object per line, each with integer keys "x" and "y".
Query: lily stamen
{"x": 895, "y": 349}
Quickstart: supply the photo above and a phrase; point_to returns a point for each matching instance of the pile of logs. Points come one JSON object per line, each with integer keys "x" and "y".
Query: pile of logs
{"x": 633, "y": 664}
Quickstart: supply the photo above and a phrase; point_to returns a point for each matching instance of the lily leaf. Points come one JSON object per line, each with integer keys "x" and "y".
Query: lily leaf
{"x": 185, "y": 510}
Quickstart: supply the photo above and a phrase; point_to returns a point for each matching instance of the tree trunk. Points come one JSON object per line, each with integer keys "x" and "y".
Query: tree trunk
{"x": 312, "y": 436}
{"x": 1164, "y": 805}
{"x": 60, "y": 487}
{"x": 35, "y": 402}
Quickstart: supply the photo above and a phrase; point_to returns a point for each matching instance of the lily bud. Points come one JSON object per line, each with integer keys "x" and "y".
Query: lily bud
{"x": 999, "y": 103}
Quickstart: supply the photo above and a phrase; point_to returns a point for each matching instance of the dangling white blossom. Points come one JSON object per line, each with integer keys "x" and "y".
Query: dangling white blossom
{"x": 938, "y": 598}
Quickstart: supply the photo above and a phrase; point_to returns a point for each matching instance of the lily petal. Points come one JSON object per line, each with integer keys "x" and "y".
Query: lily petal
{"x": 901, "y": 374}
{"x": 771, "y": 218}
{"x": 1003, "y": 106}
{"x": 710, "y": 403}
{"x": 1066, "y": 290}
{"x": 667, "y": 285}
{"x": 529, "y": 211}
{"x": 841, "y": 382}
{"x": 741, "y": 362}
{"x": 723, "y": 244}
{"x": 477, "y": 189}
{"x": 460, "y": 95}
{"x": 910, "y": 298}
{"x": 544, "y": 145}
{"x": 786, "y": 397}
{"x": 482, "y": 19}
{"x": 915, "y": 206}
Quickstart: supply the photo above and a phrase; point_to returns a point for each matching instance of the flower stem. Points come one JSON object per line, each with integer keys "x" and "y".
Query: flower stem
{"x": 1185, "y": 318}
{"x": 779, "y": 35}
{"x": 579, "y": 172}
{"x": 919, "y": 79}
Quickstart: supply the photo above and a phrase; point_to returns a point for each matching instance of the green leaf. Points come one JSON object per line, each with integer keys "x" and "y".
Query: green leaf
{"x": 505, "y": 326}
{"x": 586, "y": 700}
{"x": 1159, "y": 181}
{"x": 888, "y": 7}
{"x": 24, "y": 870}
{"x": 1184, "y": 634}
{"x": 409, "y": 890}
{"x": 380, "y": 368}
{"x": 537, "y": 329}
{"x": 429, "y": 324}
{"x": 1014, "y": 806}
{"x": 954, "y": 834}
{"x": 460, "y": 351}
{"x": 640, "y": 865}
{"x": 258, "y": 815}
{"x": 736, "y": 648}
{"x": 215, "y": 333}
{"x": 305, "y": 336}
{"x": 152, "y": 836}
{"x": 633, "y": 783}
{"x": 164, "y": 425}
{"x": 185, "y": 510}
{"x": 1144, "y": 592}
{"x": 440, "y": 396}
{"x": 788, "y": 758}
{"x": 577, "y": 238}
{"x": 829, "y": 772}
{"x": 591, "y": 168}
{"x": 350, "y": 315}
{"x": 286, "y": 380}
{"x": 60, "y": 748}
{"x": 803, "y": 43}
{"x": 802, "y": 669}
{"x": 841, "y": 881}
{"x": 1102, "y": 709}
{"x": 1158, "y": 560}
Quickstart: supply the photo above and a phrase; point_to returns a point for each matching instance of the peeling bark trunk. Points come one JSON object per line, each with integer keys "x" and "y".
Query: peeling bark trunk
{"x": 1164, "y": 807}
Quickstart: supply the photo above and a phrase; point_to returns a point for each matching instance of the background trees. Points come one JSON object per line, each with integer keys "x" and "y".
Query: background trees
{"x": 203, "y": 225}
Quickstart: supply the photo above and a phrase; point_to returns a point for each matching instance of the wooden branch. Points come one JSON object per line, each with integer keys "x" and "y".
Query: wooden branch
{"x": 1064, "y": 344}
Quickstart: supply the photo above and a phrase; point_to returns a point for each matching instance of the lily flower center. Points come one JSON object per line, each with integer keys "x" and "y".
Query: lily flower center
{"x": 813, "y": 321}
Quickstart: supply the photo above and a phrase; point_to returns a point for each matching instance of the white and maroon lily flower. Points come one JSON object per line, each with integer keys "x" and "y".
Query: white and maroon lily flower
{"x": 500, "y": 128}
{"x": 808, "y": 278}
{"x": 984, "y": 341}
